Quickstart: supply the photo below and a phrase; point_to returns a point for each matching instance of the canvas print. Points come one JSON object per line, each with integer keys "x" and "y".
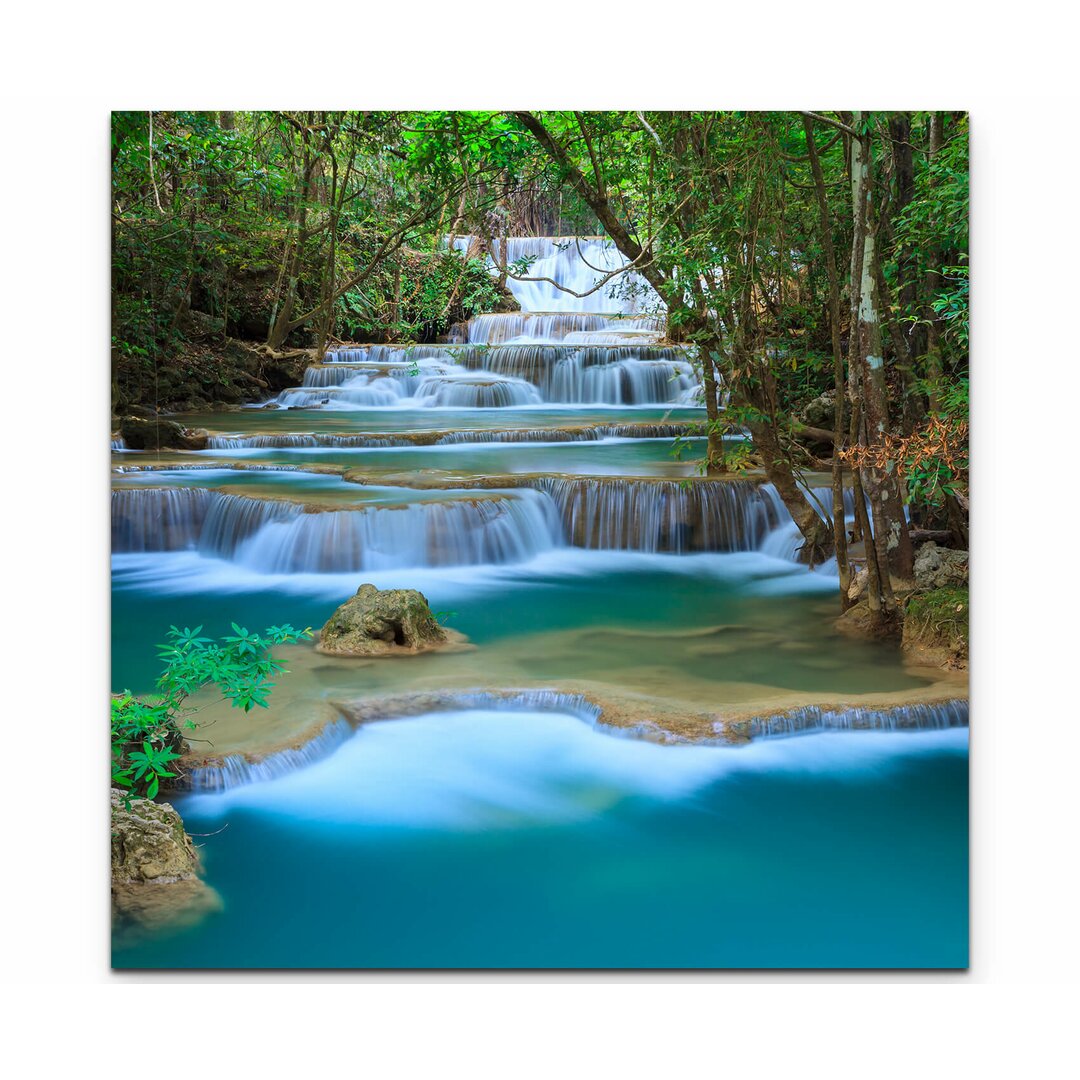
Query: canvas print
{"x": 539, "y": 539}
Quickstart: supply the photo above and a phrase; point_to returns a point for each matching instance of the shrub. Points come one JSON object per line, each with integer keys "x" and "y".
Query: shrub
{"x": 147, "y": 731}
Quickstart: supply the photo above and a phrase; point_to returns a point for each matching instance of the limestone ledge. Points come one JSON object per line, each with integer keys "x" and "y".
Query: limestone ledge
{"x": 626, "y": 713}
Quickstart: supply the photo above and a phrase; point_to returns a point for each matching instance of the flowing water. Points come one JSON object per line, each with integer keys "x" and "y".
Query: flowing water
{"x": 535, "y": 477}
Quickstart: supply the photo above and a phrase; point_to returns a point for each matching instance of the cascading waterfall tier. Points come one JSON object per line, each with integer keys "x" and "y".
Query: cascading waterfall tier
{"x": 578, "y": 265}
{"x": 935, "y": 716}
{"x": 592, "y": 374}
{"x": 158, "y": 519}
{"x": 280, "y": 536}
{"x": 476, "y": 377}
{"x": 302, "y": 441}
{"x": 546, "y": 327}
{"x": 597, "y": 348}
{"x": 479, "y": 390}
{"x": 664, "y": 515}
{"x": 236, "y": 771}
{"x": 465, "y": 528}
{"x": 501, "y": 376}
{"x": 592, "y": 433}
{"x": 786, "y": 540}
{"x": 559, "y": 435}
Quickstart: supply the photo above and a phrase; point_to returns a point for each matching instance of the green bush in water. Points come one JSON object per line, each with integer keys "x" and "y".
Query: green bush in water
{"x": 147, "y": 731}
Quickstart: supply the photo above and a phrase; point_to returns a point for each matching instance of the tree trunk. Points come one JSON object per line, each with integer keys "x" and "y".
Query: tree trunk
{"x": 714, "y": 450}
{"x": 932, "y": 281}
{"x": 816, "y": 534}
{"x": 891, "y": 539}
{"x": 839, "y": 531}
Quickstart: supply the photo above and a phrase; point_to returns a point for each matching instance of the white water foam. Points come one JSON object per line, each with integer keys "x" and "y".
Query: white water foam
{"x": 503, "y": 768}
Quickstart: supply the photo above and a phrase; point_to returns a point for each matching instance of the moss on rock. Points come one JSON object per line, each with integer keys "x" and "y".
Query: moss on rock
{"x": 382, "y": 622}
{"x": 155, "y": 871}
{"x": 140, "y": 433}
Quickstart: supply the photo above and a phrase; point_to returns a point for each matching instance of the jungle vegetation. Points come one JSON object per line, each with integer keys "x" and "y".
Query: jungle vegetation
{"x": 799, "y": 252}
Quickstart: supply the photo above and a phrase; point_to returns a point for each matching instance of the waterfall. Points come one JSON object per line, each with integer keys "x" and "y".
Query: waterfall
{"x": 570, "y": 434}
{"x": 503, "y": 376}
{"x": 812, "y": 718}
{"x": 522, "y": 435}
{"x": 785, "y": 540}
{"x": 360, "y": 392}
{"x": 233, "y": 519}
{"x": 663, "y": 516}
{"x": 558, "y": 349}
{"x": 491, "y": 529}
{"x": 293, "y": 442}
{"x": 633, "y": 379}
{"x": 577, "y": 264}
{"x": 235, "y": 771}
{"x": 388, "y": 354}
{"x": 592, "y": 433}
{"x": 591, "y": 375}
{"x": 480, "y": 390}
{"x": 158, "y": 519}
{"x": 538, "y": 327}
{"x": 278, "y": 536}
{"x": 117, "y": 444}
{"x": 320, "y": 376}
{"x": 649, "y": 431}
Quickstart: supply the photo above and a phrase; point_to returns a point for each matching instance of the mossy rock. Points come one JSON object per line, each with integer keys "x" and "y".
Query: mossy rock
{"x": 381, "y": 623}
{"x": 936, "y": 627}
{"x": 155, "y": 882}
{"x": 939, "y": 567}
{"x": 157, "y": 434}
{"x": 149, "y": 842}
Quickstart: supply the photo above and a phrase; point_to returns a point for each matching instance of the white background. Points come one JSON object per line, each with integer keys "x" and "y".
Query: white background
{"x": 67, "y": 65}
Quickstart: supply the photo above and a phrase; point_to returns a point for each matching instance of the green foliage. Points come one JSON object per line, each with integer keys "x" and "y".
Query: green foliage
{"x": 417, "y": 297}
{"x": 930, "y": 244}
{"x": 935, "y": 460}
{"x": 951, "y": 304}
{"x": 147, "y": 732}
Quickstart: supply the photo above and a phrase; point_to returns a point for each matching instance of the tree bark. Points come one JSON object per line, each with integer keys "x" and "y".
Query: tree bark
{"x": 892, "y": 542}
{"x": 839, "y": 530}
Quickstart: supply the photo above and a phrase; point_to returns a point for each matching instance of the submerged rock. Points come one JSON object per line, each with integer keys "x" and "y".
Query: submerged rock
{"x": 155, "y": 871}
{"x": 383, "y": 622}
{"x": 938, "y": 568}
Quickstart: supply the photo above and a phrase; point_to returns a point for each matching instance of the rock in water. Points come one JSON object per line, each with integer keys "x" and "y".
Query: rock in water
{"x": 156, "y": 434}
{"x": 383, "y": 623}
{"x": 155, "y": 871}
